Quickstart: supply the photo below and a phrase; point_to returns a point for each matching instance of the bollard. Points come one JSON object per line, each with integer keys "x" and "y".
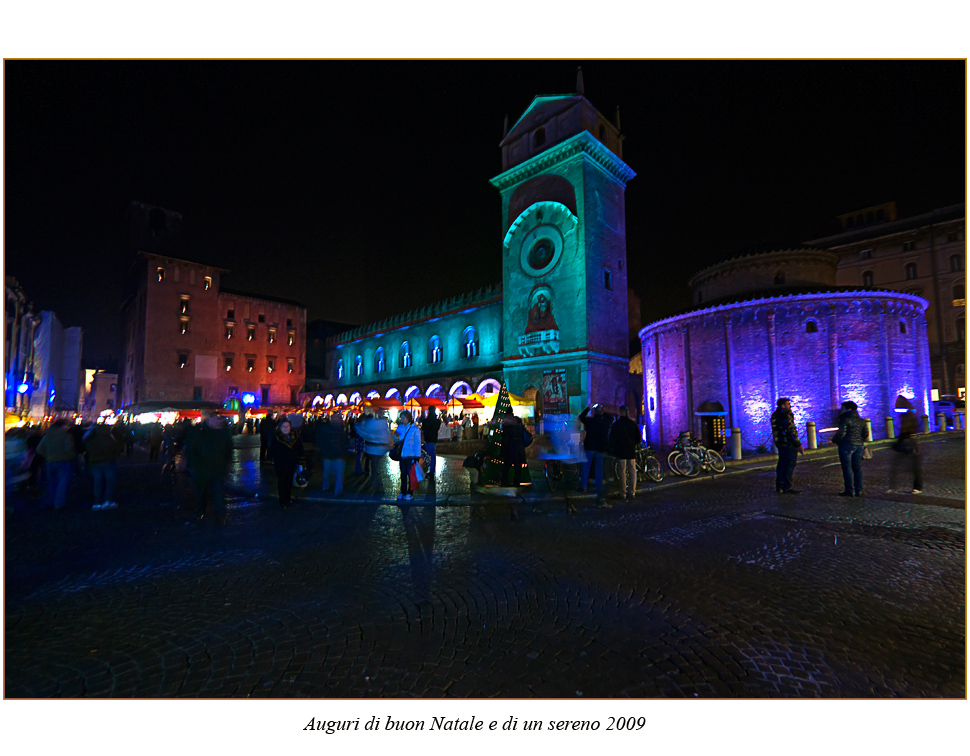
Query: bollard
{"x": 736, "y": 444}
{"x": 890, "y": 428}
{"x": 868, "y": 423}
{"x": 925, "y": 422}
{"x": 812, "y": 437}
{"x": 957, "y": 421}
{"x": 941, "y": 421}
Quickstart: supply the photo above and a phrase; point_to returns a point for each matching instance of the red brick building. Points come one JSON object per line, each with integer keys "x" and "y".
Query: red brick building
{"x": 188, "y": 340}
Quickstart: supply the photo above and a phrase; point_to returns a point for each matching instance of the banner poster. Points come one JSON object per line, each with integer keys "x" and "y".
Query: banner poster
{"x": 555, "y": 398}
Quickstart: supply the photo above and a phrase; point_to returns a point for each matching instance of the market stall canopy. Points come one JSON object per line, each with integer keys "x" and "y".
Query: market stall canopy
{"x": 492, "y": 399}
{"x": 384, "y": 404}
{"x": 424, "y": 401}
{"x": 190, "y": 414}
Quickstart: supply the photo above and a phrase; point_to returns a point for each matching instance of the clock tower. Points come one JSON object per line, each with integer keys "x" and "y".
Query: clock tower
{"x": 564, "y": 278}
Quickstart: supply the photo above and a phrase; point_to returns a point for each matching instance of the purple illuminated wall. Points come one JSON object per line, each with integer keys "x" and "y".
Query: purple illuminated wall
{"x": 817, "y": 349}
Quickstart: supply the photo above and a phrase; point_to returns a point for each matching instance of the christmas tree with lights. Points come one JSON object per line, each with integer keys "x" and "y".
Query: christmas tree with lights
{"x": 492, "y": 468}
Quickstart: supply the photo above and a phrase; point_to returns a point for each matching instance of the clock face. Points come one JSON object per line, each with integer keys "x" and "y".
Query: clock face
{"x": 541, "y": 250}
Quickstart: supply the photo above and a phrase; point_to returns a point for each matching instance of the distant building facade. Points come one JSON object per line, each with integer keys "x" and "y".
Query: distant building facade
{"x": 188, "y": 340}
{"x": 557, "y": 330}
{"x": 99, "y": 395}
{"x": 776, "y": 325}
{"x": 924, "y": 255}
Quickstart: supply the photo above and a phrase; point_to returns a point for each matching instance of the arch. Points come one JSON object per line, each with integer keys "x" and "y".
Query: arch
{"x": 710, "y": 407}
{"x": 469, "y": 342}
{"x": 902, "y": 326}
{"x": 392, "y": 392}
{"x": 460, "y": 388}
{"x": 373, "y": 394}
{"x": 328, "y": 401}
{"x": 435, "y": 391}
{"x": 355, "y": 398}
{"x": 553, "y": 224}
{"x": 341, "y": 399}
{"x": 379, "y": 363}
{"x": 811, "y": 327}
{"x": 358, "y": 366}
{"x": 404, "y": 355}
{"x": 412, "y": 392}
{"x": 488, "y": 386}
{"x": 340, "y": 370}
{"x": 317, "y": 400}
{"x": 434, "y": 349}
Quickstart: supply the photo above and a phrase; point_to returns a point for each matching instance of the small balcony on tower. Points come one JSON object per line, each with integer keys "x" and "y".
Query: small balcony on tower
{"x": 539, "y": 342}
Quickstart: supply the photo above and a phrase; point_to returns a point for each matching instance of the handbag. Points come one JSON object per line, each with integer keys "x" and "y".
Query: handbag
{"x": 398, "y": 448}
{"x": 866, "y": 452}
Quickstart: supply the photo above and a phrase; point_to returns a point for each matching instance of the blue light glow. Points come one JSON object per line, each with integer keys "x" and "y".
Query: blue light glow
{"x": 248, "y": 399}
{"x": 23, "y": 388}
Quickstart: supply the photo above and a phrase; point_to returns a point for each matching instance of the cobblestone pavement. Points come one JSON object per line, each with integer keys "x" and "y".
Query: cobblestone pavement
{"x": 708, "y": 588}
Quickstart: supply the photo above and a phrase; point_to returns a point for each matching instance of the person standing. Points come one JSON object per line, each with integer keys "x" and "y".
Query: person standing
{"x": 597, "y": 444}
{"x": 155, "y": 434}
{"x": 102, "y": 448}
{"x": 851, "y": 438}
{"x": 429, "y": 430}
{"x": 410, "y": 437}
{"x": 513, "y": 448}
{"x": 331, "y": 444}
{"x": 267, "y": 427}
{"x": 907, "y": 446}
{"x": 784, "y": 434}
{"x": 377, "y": 440}
{"x": 208, "y": 454}
{"x": 624, "y": 439}
{"x": 286, "y": 451}
{"x": 59, "y": 452}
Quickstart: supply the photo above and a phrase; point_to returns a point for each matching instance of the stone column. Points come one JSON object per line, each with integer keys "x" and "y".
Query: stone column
{"x": 890, "y": 428}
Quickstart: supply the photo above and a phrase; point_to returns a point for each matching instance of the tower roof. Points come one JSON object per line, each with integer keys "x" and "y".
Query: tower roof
{"x": 542, "y": 109}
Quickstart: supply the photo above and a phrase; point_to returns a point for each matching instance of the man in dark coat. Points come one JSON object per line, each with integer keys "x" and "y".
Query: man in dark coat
{"x": 267, "y": 427}
{"x": 429, "y": 432}
{"x": 851, "y": 438}
{"x": 208, "y": 454}
{"x": 597, "y": 444}
{"x": 513, "y": 448}
{"x": 624, "y": 439}
{"x": 785, "y": 437}
{"x": 286, "y": 451}
{"x": 331, "y": 444}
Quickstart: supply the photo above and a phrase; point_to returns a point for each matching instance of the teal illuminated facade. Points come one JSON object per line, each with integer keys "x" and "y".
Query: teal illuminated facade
{"x": 558, "y": 325}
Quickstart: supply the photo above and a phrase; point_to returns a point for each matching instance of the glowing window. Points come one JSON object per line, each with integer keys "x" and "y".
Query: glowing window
{"x": 272, "y": 335}
{"x": 340, "y": 370}
{"x": 161, "y": 274}
{"x": 184, "y": 305}
{"x": 405, "y": 355}
{"x": 250, "y": 333}
{"x": 183, "y": 359}
{"x": 358, "y": 366}
{"x": 290, "y": 338}
{"x": 379, "y": 360}
{"x": 229, "y": 328}
{"x": 250, "y": 364}
{"x": 469, "y": 340}
{"x": 207, "y": 283}
{"x": 290, "y": 365}
{"x": 434, "y": 349}
{"x": 183, "y": 325}
{"x": 270, "y": 364}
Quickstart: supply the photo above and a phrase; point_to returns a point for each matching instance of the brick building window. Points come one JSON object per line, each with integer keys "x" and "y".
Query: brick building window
{"x": 183, "y": 325}
{"x": 184, "y": 304}
{"x": 865, "y": 254}
{"x": 956, "y": 263}
{"x": 261, "y": 318}
{"x": 909, "y": 246}
{"x": 867, "y": 278}
{"x": 290, "y": 338}
{"x": 183, "y": 359}
{"x": 229, "y": 329}
{"x": 250, "y": 364}
{"x": 290, "y": 365}
{"x": 902, "y": 326}
{"x": 231, "y": 314}
{"x": 161, "y": 274}
{"x": 270, "y": 364}
{"x": 250, "y": 333}
{"x": 272, "y": 335}
{"x": 289, "y": 322}
{"x": 910, "y": 271}
{"x": 227, "y": 361}
{"x": 207, "y": 283}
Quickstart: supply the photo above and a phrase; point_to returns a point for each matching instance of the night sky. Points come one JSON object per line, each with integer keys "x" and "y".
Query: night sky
{"x": 361, "y": 188}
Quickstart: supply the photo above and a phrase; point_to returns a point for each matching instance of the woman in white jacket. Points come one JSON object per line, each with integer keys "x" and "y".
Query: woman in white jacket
{"x": 410, "y": 435}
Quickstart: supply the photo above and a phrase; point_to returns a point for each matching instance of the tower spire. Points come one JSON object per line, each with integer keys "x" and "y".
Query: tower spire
{"x": 579, "y": 80}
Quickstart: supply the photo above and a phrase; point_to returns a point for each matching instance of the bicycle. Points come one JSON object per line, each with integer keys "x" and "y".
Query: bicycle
{"x": 647, "y": 464}
{"x": 689, "y": 457}
{"x": 560, "y": 471}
